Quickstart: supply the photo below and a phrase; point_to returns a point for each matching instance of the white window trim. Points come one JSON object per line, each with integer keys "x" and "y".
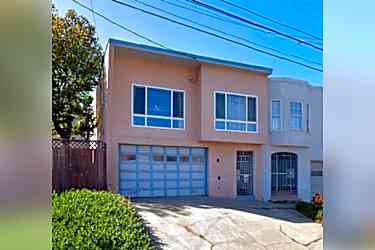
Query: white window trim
{"x": 226, "y": 93}
{"x": 171, "y": 118}
{"x": 289, "y": 114}
{"x": 281, "y": 115}
{"x": 308, "y": 118}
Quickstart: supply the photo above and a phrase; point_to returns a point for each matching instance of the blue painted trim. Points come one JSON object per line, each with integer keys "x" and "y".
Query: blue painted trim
{"x": 178, "y": 171}
{"x": 191, "y": 170}
{"x": 165, "y": 169}
{"x": 187, "y": 56}
{"x": 137, "y": 171}
{"x": 136, "y": 179}
{"x": 206, "y": 171}
{"x": 151, "y": 171}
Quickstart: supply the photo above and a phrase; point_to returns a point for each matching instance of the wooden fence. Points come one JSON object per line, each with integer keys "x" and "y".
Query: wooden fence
{"x": 78, "y": 164}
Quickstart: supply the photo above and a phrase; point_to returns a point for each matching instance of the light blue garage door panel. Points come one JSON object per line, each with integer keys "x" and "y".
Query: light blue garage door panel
{"x": 155, "y": 171}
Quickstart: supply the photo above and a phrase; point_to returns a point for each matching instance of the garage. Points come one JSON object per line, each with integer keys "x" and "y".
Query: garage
{"x": 160, "y": 171}
{"x": 316, "y": 177}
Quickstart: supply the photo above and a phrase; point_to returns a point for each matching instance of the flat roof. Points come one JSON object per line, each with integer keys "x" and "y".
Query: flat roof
{"x": 276, "y": 79}
{"x": 187, "y": 56}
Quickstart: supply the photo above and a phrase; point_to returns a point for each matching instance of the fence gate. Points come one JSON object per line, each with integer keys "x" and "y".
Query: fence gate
{"x": 78, "y": 164}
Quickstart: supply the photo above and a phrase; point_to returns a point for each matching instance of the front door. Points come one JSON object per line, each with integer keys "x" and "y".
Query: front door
{"x": 244, "y": 173}
{"x": 284, "y": 172}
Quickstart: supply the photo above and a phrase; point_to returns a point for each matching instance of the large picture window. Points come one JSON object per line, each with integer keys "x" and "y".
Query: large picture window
{"x": 158, "y": 107}
{"x": 235, "y": 112}
{"x": 295, "y": 115}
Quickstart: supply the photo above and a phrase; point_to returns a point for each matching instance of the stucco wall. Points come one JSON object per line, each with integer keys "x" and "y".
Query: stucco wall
{"x": 303, "y": 171}
{"x": 218, "y": 78}
{"x": 198, "y": 82}
{"x": 129, "y": 68}
{"x": 316, "y": 124}
{"x": 307, "y": 144}
{"x": 226, "y": 153}
{"x": 287, "y": 90}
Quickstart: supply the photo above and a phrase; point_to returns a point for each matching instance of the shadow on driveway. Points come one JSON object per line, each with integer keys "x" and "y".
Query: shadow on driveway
{"x": 178, "y": 206}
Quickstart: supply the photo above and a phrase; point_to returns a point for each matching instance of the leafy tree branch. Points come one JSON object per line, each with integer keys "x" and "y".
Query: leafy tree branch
{"x": 76, "y": 71}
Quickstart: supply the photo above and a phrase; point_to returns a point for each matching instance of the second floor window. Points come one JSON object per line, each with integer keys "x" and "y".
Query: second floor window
{"x": 235, "y": 112}
{"x": 308, "y": 118}
{"x": 295, "y": 115}
{"x": 276, "y": 115}
{"x": 158, "y": 107}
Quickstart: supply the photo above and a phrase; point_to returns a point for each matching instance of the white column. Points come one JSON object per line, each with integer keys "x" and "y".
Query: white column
{"x": 266, "y": 173}
{"x": 304, "y": 175}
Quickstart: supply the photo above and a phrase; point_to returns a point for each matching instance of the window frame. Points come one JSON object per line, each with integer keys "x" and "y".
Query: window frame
{"x": 225, "y": 120}
{"x": 281, "y": 115}
{"x": 289, "y": 115}
{"x": 308, "y": 118}
{"x": 145, "y": 116}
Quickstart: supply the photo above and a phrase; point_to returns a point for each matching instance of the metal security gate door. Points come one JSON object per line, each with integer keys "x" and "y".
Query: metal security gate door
{"x": 157, "y": 171}
{"x": 244, "y": 173}
{"x": 284, "y": 172}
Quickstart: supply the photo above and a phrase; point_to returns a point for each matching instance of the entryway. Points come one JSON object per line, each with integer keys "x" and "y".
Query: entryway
{"x": 244, "y": 173}
{"x": 284, "y": 175}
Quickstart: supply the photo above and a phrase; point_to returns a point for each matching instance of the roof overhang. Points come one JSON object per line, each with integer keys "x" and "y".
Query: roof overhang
{"x": 187, "y": 56}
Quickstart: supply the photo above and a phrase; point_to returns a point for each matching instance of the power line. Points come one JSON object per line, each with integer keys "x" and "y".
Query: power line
{"x": 255, "y": 24}
{"x": 161, "y": 45}
{"x": 119, "y": 25}
{"x": 270, "y": 19}
{"x": 93, "y": 15}
{"x": 311, "y": 39}
{"x": 217, "y": 36}
{"x": 222, "y": 32}
{"x": 217, "y": 17}
{"x": 94, "y": 20}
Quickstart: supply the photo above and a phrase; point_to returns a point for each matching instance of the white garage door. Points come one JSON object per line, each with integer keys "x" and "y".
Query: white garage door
{"x": 156, "y": 171}
{"x": 316, "y": 177}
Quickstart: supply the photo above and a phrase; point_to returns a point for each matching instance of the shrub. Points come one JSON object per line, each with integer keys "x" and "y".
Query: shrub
{"x": 319, "y": 214}
{"x": 95, "y": 220}
{"x": 317, "y": 199}
{"x": 310, "y": 210}
{"x": 305, "y": 208}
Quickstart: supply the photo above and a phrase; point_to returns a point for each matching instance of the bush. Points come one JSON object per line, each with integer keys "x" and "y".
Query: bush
{"x": 95, "y": 220}
{"x": 310, "y": 210}
{"x": 319, "y": 215}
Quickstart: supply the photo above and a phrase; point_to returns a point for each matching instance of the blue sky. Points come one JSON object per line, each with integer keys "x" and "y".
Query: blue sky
{"x": 306, "y": 15}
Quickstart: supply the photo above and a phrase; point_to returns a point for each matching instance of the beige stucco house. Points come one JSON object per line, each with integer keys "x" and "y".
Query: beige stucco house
{"x": 293, "y": 156}
{"x": 178, "y": 124}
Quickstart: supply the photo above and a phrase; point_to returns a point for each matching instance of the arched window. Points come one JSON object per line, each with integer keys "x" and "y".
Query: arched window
{"x": 284, "y": 172}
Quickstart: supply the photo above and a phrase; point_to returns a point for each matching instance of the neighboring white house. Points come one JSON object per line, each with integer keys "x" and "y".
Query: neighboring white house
{"x": 294, "y": 154}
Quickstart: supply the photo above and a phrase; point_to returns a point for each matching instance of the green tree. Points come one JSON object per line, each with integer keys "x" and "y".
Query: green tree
{"x": 76, "y": 71}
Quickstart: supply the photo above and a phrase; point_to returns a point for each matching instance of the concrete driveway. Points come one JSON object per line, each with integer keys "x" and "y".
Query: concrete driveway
{"x": 212, "y": 223}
